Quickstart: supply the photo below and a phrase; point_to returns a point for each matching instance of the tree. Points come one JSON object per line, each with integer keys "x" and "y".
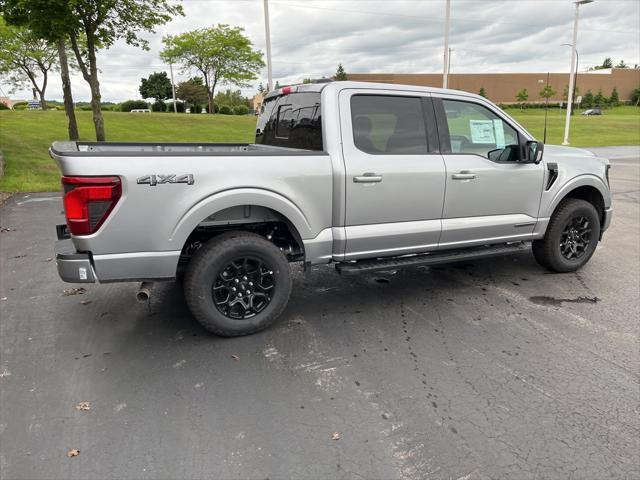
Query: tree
{"x": 482, "y": 92}
{"x": 192, "y": 91}
{"x": 232, "y": 98}
{"x": 90, "y": 25}
{"x": 25, "y": 58}
{"x": 614, "y": 99}
{"x": 522, "y": 96}
{"x": 261, "y": 88}
{"x": 547, "y": 92}
{"x": 47, "y": 20}
{"x": 622, "y": 65}
{"x": 599, "y": 99}
{"x": 607, "y": 63}
{"x": 307, "y": 80}
{"x": 587, "y": 100}
{"x": 157, "y": 86}
{"x": 221, "y": 54}
{"x": 340, "y": 73}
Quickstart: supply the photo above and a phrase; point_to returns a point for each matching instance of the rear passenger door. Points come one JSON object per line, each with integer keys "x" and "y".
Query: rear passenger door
{"x": 395, "y": 176}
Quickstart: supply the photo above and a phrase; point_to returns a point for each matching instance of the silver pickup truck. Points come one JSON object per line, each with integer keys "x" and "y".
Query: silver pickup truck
{"x": 366, "y": 176}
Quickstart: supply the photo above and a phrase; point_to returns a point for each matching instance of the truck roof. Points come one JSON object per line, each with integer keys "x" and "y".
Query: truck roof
{"x": 318, "y": 87}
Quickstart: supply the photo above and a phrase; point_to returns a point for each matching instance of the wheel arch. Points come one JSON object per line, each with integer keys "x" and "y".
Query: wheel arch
{"x": 586, "y": 187}
{"x": 241, "y": 207}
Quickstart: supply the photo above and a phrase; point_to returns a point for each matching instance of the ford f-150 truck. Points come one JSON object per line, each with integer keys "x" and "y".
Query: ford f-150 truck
{"x": 366, "y": 176}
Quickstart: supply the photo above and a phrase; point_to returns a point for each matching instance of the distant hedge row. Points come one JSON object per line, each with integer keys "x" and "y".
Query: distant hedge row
{"x": 129, "y": 105}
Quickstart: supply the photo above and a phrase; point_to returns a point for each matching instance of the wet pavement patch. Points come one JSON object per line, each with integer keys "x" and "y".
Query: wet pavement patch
{"x": 556, "y": 302}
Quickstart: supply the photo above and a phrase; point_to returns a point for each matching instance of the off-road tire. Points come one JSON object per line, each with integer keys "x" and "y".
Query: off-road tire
{"x": 208, "y": 263}
{"x": 547, "y": 251}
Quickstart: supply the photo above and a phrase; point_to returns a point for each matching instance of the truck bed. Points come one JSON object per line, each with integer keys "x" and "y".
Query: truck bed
{"x": 132, "y": 149}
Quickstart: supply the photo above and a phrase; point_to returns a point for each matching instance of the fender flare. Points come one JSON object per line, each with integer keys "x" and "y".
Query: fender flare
{"x": 586, "y": 180}
{"x": 233, "y": 198}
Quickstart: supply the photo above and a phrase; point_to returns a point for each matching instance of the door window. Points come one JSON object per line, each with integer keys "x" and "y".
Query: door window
{"x": 386, "y": 124}
{"x": 474, "y": 129}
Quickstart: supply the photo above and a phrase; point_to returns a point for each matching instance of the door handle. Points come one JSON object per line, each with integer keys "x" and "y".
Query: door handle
{"x": 368, "y": 177}
{"x": 463, "y": 175}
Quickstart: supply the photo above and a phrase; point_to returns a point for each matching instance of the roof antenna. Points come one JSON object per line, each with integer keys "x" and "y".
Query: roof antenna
{"x": 546, "y": 108}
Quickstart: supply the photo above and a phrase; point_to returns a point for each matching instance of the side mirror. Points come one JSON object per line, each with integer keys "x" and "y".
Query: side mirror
{"x": 534, "y": 151}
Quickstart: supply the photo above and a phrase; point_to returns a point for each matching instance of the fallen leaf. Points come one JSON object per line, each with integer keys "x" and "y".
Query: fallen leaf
{"x": 4, "y": 299}
{"x": 49, "y": 259}
{"x": 74, "y": 452}
{"x": 73, "y": 291}
{"x": 85, "y": 302}
{"x": 235, "y": 357}
{"x": 335, "y": 436}
{"x": 83, "y": 406}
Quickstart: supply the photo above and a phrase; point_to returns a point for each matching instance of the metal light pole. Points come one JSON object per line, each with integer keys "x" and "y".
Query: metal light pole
{"x": 575, "y": 76}
{"x": 268, "y": 34}
{"x": 573, "y": 65}
{"x": 445, "y": 71}
{"x": 173, "y": 89}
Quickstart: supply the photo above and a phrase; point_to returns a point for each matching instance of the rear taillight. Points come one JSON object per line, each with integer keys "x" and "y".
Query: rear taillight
{"x": 88, "y": 202}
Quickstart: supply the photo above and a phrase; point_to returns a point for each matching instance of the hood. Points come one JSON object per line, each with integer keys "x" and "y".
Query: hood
{"x": 562, "y": 151}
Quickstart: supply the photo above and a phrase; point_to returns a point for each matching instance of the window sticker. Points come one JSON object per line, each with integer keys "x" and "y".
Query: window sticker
{"x": 482, "y": 132}
{"x": 498, "y": 126}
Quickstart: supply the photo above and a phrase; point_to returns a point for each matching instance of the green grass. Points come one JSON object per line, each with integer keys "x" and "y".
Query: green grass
{"x": 25, "y": 136}
{"x": 617, "y": 126}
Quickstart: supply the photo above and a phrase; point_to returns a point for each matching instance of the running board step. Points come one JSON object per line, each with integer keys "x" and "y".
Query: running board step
{"x": 439, "y": 258}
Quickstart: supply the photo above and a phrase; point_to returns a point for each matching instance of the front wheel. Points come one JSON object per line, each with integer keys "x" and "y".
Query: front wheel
{"x": 237, "y": 284}
{"x": 571, "y": 237}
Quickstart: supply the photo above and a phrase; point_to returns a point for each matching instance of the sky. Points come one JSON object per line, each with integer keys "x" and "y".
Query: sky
{"x": 309, "y": 38}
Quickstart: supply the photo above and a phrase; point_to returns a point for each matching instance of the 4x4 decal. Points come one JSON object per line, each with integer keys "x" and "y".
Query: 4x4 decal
{"x": 159, "y": 179}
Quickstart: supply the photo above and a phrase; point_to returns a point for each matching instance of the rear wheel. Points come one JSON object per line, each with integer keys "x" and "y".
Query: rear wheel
{"x": 237, "y": 284}
{"x": 571, "y": 237}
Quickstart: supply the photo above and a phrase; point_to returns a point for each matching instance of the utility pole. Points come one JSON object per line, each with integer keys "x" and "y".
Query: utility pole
{"x": 173, "y": 89}
{"x": 573, "y": 69}
{"x": 445, "y": 73}
{"x": 268, "y": 35}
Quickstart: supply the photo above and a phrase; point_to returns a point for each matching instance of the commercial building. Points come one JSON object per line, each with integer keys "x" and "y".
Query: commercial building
{"x": 503, "y": 87}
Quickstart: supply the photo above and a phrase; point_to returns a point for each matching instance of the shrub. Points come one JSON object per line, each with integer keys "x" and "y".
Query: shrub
{"x": 215, "y": 108}
{"x": 159, "y": 107}
{"x": 635, "y": 98}
{"x": 179, "y": 107}
{"x": 241, "y": 110}
{"x": 3, "y": 106}
{"x": 225, "y": 110}
{"x": 20, "y": 106}
{"x": 196, "y": 108}
{"x": 614, "y": 99}
{"x": 600, "y": 100}
{"x": 132, "y": 105}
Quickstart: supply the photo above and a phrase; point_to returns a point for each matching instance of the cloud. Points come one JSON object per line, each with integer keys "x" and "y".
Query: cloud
{"x": 310, "y": 38}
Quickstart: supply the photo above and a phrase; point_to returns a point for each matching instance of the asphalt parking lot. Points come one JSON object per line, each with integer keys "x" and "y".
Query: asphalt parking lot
{"x": 492, "y": 369}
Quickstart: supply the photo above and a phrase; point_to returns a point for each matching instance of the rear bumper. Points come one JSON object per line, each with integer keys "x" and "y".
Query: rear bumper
{"x": 73, "y": 267}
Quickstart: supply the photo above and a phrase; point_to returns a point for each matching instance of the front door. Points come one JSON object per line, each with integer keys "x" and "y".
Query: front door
{"x": 395, "y": 178}
{"x": 491, "y": 197}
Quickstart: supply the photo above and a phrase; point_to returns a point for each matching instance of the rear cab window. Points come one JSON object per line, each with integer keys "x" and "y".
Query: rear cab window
{"x": 292, "y": 120}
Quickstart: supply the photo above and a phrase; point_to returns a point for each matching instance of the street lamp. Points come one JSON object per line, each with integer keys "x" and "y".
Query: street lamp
{"x": 573, "y": 65}
{"x": 575, "y": 76}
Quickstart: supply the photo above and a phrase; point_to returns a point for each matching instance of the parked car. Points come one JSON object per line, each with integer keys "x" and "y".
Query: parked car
{"x": 364, "y": 176}
{"x": 593, "y": 111}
